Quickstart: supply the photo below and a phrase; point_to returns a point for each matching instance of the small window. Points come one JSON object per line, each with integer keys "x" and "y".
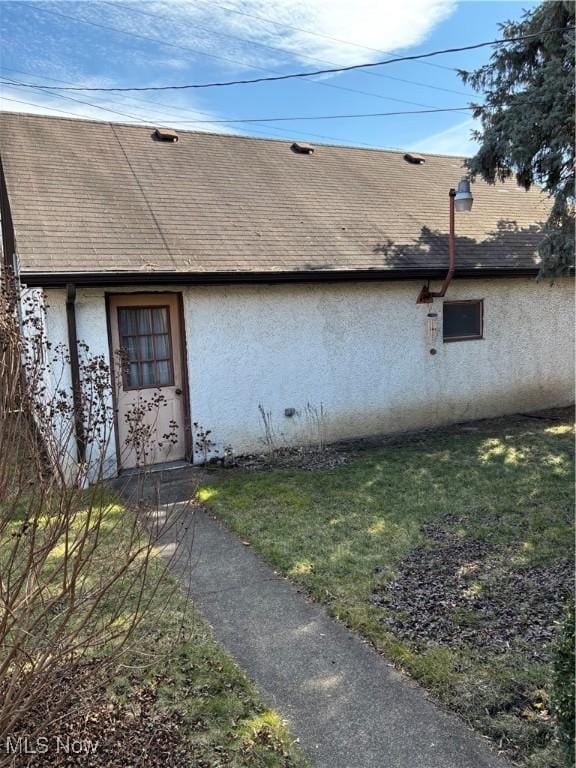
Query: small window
{"x": 146, "y": 344}
{"x": 462, "y": 320}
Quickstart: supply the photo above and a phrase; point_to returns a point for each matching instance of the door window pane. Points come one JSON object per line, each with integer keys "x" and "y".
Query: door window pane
{"x": 144, "y": 321}
{"x": 133, "y": 375}
{"x": 163, "y": 372}
{"x": 130, "y": 347}
{"x": 147, "y": 374}
{"x": 130, "y": 321}
{"x": 162, "y": 346}
{"x": 160, "y": 320}
{"x": 145, "y": 350}
{"x": 145, "y": 341}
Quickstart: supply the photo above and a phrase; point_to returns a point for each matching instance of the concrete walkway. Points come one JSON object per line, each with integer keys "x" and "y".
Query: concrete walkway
{"x": 347, "y": 706}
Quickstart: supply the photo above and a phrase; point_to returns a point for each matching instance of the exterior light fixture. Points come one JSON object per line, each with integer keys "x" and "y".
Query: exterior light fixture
{"x": 460, "y": 200}
{"x": 463, "y": 199}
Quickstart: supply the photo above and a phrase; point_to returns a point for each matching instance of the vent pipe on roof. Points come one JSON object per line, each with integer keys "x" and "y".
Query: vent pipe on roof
{"x": 301, "y": 148}
{"x": 165, "y": 134}
{"x": 414, "y": 159}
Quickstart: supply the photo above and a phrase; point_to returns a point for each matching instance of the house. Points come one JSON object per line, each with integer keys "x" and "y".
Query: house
{"x": 259, "y": 284}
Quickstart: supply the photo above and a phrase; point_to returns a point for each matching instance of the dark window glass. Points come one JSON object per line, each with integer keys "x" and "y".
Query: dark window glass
{"x": 145, "y": 340}
{"x": 462, "y": 320}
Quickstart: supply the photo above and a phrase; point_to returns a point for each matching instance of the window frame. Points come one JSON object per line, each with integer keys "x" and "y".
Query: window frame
{"x": 474, "y": 337}
{"x": 154, "y": 360}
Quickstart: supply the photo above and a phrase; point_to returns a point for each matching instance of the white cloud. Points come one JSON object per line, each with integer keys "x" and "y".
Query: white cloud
{"x": 374, "y": 26}
{"x": 456, "y": 140}
{"x": 381, "y": 25}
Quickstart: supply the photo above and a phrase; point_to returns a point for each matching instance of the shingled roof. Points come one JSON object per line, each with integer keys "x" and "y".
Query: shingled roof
{"x": 95, "y": 197}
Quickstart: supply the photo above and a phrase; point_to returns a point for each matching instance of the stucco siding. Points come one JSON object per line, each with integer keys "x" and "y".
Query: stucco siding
{"x": 91, "y": 328}
{"x": 361, "y": 350}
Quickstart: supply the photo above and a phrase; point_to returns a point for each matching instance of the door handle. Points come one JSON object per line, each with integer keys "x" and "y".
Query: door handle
{"x": 178, "y": 391}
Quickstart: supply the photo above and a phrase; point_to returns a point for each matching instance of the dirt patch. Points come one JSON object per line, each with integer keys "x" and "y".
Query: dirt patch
{"x": 310, "y": 459}
{"x": 457, "y": 591}
{"x": 98, "y": 732}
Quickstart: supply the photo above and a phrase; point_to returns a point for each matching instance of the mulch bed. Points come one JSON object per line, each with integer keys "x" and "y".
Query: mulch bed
{"x": 456, "y": 591}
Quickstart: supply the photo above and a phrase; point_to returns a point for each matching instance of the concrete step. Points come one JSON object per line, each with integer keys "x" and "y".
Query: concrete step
{"x": 161, "y": 483}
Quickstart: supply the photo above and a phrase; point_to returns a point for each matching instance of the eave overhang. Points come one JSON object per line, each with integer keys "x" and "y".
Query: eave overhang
{"x": 60, "y": 279}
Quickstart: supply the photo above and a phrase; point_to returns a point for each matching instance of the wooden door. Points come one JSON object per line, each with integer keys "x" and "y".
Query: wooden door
{"x": 149, "y": 380}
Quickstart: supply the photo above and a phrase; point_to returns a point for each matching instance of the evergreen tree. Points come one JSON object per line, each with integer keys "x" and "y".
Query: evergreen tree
{"x": 527, "y": 119}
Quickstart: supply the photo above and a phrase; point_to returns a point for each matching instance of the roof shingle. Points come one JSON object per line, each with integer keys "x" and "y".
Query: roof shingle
{"x": 91, "y": 197}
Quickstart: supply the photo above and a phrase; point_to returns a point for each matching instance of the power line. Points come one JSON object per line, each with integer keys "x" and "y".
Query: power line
{"x": 220, "y": 58}
{"x": 50, "y": 91}
{"x": 41, "y": 106}
{"x": 265, "y": 133}
{"x": 285, "y": 51}
{"x": 329, "y": 117}
{"x": 63, "y": 111}
{"x": 193, "y": 121}
{"x": 295, "y": 75}
{"x": 45, "y": 89}
{"x": 153, "y": 102}
{"x": 252, "y": 120}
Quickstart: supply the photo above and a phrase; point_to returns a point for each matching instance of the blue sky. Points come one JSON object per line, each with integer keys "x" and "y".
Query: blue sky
{"x": 159, "y": 42}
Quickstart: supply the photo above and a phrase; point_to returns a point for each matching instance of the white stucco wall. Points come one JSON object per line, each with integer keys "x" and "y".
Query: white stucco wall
{"x": 359, "y": 349}
{"x": 91, "y": 329}
{"x": 48, "y": 373}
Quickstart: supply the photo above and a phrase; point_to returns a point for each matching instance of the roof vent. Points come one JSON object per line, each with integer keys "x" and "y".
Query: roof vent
{"x": 301, "y": 148}
{"x": 414, "y": 159}
{"x": 165, "y": 134}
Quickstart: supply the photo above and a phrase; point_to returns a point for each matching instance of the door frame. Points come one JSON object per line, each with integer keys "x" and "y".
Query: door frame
{"x": 188, "y": 452}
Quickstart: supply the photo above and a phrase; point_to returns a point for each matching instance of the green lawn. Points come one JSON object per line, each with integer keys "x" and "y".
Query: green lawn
{"x": 176, "y": 698}
{"x": 502, "y": 490}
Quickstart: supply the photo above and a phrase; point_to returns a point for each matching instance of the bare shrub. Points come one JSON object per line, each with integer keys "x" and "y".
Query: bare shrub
{"x": 269, "y": 438}
{"x": 203, "y": 443}
{"x": 64, "y": 603}
{"x": 316, "y": 417}
{"x": 313, "y": 439}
